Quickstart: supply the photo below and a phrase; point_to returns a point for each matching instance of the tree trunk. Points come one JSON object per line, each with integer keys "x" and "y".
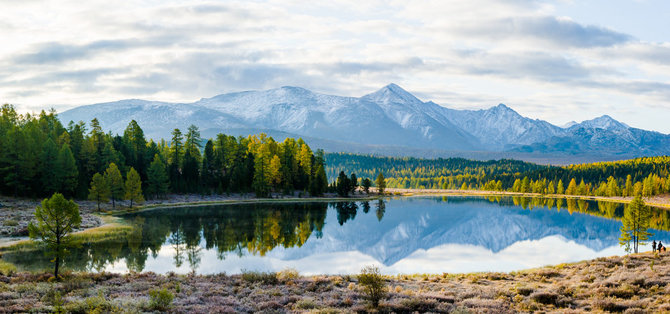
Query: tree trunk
{"x": 56, "y": 267}
{"x": 113, "y": 205}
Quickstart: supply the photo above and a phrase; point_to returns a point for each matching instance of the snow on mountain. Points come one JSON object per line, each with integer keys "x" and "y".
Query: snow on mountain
{"x": 500, "y": 126}
{"x": 390, "y": 117}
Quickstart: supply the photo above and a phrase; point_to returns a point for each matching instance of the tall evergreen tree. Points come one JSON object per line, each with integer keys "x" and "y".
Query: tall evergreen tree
{"x": 49, "y": 167}
{"x": 115, "y": 183}
{"x": 381, "y": 183}
{"x": 158, "y": 178}
{"x": 67, "y": 172}
{"x": 133, "y": 187}
{"x": 99, "y": 191}
{"x": 636, "y": 220}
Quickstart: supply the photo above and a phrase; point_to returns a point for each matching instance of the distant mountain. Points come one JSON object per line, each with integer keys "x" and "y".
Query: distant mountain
{"x": 390, "y": 121}
{"x": 605, "y": 136}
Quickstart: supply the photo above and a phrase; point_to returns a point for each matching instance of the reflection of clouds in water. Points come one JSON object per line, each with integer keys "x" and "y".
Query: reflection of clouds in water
{"x": 451, "y": 258}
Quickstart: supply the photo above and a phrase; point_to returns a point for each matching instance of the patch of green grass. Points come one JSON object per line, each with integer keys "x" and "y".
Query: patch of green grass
{"x": 10, "y": 223}
{"x": 160, "y": 300}
{"x": 268, "y": 278}
{"x": 7, "y": 268}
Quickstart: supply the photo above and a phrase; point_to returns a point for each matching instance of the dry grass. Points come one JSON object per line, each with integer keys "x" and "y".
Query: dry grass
{"x": 615, "y": 284}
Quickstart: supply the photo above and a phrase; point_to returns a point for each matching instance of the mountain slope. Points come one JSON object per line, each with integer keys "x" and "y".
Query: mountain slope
{"x": 390, "y": 120}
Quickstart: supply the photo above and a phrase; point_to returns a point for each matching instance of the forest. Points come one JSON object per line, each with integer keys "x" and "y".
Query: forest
{"x": 647, "y": 176}
{"x": 39, "y": 156}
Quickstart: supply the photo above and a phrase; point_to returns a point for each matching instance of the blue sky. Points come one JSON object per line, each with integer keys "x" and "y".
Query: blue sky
{"x": 552, "y": 60}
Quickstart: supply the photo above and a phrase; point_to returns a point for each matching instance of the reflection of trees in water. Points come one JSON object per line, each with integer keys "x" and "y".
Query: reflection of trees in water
{"x": 660, "y": 218}
{"x": 381, "y": 209}
{"x": 256, "y": 228}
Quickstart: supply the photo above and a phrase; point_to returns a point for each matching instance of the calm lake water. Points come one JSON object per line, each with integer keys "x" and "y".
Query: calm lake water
{"x": 401, "y": 235}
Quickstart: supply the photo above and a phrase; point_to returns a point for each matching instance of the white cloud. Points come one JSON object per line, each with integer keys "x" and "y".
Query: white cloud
{"x": 457, "y": 53}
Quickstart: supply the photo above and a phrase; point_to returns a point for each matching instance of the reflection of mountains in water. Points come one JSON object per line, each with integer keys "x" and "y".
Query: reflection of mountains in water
{"x": 423, "y": 223}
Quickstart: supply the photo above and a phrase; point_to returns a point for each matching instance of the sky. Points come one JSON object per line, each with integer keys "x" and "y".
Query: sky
{"x": 553, "y": 60}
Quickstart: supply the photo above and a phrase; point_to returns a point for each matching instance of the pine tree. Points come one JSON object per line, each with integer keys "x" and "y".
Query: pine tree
{"x": 67, "y": 171}
{"x": 636, "y": 221}
{"x": 560, "y": 189}
{"x": 343, "y": 184}
{"x": 572, "y": 187}
{"x": 366, "y": 185}
{"x": 159, "y": 181}
{"x": 133, "y": 187}
{"x": 353, "y": 184}
{"x": 115, "y": 183}
{"x": 49, "y": 167}
{"x": 381, "y": 183}
{"x": 99, "y": 191}
{"x": 56, "y": 219}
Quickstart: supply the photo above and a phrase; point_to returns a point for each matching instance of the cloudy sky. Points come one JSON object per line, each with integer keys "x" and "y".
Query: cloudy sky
{"x": 553, "y": 60}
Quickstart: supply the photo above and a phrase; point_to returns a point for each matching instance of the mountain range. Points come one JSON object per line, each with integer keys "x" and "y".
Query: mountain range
{"x": 389, "y": 121}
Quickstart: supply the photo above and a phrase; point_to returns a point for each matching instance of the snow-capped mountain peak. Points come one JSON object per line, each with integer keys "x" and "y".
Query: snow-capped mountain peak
{"x": 392, "y": 93}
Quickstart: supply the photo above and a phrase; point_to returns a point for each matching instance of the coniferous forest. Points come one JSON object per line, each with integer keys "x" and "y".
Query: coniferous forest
{"x": 646, "y": 176}
{"x": 39, "y": 156}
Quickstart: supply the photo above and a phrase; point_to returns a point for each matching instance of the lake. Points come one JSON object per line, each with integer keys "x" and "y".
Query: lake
{"x": 401, "y": 235}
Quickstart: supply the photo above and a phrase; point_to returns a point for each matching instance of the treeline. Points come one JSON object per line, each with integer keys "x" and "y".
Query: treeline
{"x": 40, "y": 156}
{"x": 417, "y": 173}
{"x": 646, "y": 176}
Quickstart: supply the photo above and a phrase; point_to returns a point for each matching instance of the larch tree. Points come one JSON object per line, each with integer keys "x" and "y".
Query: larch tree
{"x": 99, "y": 191}
{"x": 133, "y": 187}
{"x": 636, "y": 221}
{"x": 67, "y": 172}
{"x": 158, "y": 178}
{"x": 381, "y": 183}
{"x": 56, "y": 218}
{"x": 115, "y": 183}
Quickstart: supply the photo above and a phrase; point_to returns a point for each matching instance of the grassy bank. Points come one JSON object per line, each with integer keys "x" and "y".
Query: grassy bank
{"x": 634, "y": 284}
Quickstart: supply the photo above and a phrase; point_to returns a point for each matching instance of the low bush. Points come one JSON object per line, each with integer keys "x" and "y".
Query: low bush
{"x": 160, "y": 300}
{"x": 7, "y": 269}
{"x": 10, "y": 223}
{"x": 288, "y": 274}
{"x": 305, "y": 304}
{"x": 544, "y": 297}
{"x": 373, "y": 284}
{"x": 268, "y": 278}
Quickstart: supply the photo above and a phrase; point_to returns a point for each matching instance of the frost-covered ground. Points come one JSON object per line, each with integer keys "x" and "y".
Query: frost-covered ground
{"x": 634, "y": 284}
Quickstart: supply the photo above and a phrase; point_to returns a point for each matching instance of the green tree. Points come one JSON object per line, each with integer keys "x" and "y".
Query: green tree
{"x": 381, "y": 183}
{"x": 49, "y": 167}
{"x": 115, "y": 183}
{"x": 342, "y": 184}
{"x": 353, "y": 183}
{"x": 572, "y": 187}
{"x": 559, "y": 188}
{"x": 99, "y": 191}
{"x": 67, "y": 172}
{"x": 373, "y": 284}
{"x": 159, "y": 181}
{"x": 133, "y": 187}
{"x": 56, "y": 218}
{"x": 636, "y": 221}
{"x": 366, "y": 185}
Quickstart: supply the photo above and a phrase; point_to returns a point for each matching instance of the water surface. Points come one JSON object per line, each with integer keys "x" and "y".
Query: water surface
{"x": 401, "y": 235}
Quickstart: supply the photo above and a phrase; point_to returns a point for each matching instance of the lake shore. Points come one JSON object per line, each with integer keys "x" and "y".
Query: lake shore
{"x": 661, "y": 201}
{"x": 637, "y": 283}
{"x": 16, "y": 213}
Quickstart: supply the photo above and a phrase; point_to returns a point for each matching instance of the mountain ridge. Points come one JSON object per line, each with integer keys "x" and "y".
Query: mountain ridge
{"x": 390, "y": 116}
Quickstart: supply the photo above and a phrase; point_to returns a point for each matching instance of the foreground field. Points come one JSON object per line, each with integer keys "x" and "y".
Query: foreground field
{"x": 634, "y": 284}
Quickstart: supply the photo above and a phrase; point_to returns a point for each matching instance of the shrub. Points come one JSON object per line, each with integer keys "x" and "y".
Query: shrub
{"x": 305, "y": 304}
{"x": 288, "y": 274}
{"x": 7, "y": 269}
{"x": 373, "y": 284}
{"x": 160, "y": 300}
{"x": 544, "y": 297}
{"x": 267, "y": 278}
{"x": 10, "y": 223}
